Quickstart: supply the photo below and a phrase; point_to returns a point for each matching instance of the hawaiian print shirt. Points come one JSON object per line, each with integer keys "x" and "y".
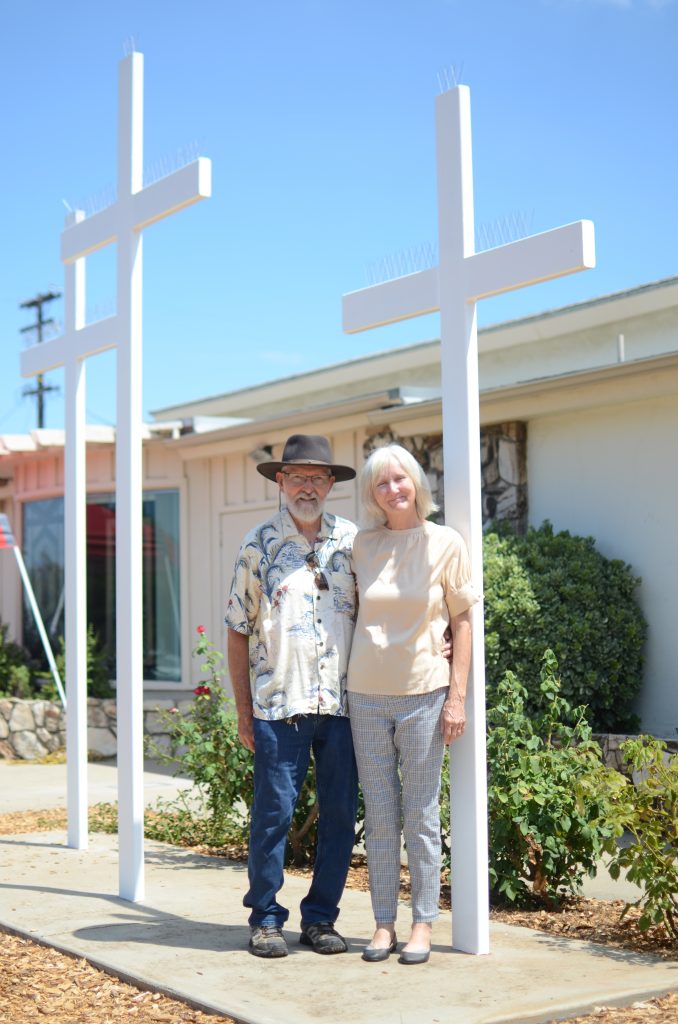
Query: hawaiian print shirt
{"x": 300, "y": 633}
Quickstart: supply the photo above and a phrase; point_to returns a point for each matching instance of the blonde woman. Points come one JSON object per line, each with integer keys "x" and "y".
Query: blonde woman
{"x": 406, "y": 702}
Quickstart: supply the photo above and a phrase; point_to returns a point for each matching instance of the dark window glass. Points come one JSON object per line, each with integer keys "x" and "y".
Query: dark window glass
{"x": 43, "y": 551}
{"x": 44, "y": 556}
{"x": 162, "y": 618}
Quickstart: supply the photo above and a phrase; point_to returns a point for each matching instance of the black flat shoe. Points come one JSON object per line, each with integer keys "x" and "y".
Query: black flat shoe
{"x": 414, "y": 956}
{"x": 375, "y": 954}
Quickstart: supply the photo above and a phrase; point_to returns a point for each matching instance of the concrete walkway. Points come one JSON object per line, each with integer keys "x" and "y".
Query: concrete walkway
{"x": 188, "y": 939}
{"x": 40, "y": 787}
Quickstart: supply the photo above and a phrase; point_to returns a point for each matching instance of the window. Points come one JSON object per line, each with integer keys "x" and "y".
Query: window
{"x": 44, "y": 557}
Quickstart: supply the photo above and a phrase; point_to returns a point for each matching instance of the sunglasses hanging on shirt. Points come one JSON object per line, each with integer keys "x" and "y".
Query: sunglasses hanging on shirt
{"x": 319, "y": 577}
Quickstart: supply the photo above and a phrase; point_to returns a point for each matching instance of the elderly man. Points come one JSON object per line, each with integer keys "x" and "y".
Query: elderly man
{"x": 290, "y": 615}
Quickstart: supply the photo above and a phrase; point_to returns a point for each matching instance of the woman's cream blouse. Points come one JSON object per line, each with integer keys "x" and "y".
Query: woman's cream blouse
{"x": 410, "y": 584}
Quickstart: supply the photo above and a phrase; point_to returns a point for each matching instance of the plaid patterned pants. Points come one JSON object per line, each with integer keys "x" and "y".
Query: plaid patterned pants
{"x": 399, "y": 752}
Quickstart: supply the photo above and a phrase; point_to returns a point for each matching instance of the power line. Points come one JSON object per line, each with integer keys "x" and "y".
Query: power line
{"x": 40, "y": 388}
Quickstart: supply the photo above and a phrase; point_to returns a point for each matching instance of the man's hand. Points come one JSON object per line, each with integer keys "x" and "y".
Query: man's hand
{"x": 246, "y": 731}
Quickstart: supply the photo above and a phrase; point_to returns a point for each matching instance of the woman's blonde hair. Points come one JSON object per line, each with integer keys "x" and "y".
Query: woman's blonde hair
{"x": 378, "y": 461}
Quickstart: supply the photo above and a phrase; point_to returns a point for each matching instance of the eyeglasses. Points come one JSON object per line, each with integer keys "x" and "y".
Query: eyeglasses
{"x": 298, "y": 480}
{"x": 319, "y": 577}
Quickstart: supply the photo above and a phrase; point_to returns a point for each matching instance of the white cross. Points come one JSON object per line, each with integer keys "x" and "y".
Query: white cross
{"x": 136, "y": 208}
{"x": 454, "y": 287}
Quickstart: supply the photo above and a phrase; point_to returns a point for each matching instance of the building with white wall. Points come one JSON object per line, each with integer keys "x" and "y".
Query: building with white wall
{"x": 579, "y": 412}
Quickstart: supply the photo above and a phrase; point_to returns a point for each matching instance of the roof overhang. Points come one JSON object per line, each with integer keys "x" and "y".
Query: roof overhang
{"x": 607, "y": 309}
{"x": 639, "y": 379}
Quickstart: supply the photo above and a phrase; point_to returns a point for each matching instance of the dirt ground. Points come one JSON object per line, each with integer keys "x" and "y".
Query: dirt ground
{"x": 39, "y": 984}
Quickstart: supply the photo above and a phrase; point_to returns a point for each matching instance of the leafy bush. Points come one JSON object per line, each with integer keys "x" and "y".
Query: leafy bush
{"x": 206, "y": 747}
{"x": 16, "y": 675}
{"x": 651, "y": 858}
{"x": 98, "y": 682}
{"x": 552, "y": 803}
{"x": 555, "y": 590}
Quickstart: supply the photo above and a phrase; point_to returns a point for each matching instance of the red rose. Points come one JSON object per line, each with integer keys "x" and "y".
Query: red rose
{"x": 200, "y": 629}
{"x": 202, "y": 691}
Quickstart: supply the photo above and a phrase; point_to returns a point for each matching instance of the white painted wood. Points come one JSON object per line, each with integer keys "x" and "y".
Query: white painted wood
{"x": 178, "y": 190}
{"x": 387, "y": 303}
{"x": 530, "y": 260}
{"x": 129, "y": 492}
{"x": 88, "y": 340}
{"x": 461, "y": 279}
{"x": 75, "y": 557}
{"x": 136, "y": 207}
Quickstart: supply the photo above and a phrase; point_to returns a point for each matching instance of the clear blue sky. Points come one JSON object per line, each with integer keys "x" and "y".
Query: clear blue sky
{"x": 318, "y": 116}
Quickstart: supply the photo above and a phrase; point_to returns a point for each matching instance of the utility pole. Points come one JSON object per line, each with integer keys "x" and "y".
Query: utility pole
{"x": 40, "y": 388}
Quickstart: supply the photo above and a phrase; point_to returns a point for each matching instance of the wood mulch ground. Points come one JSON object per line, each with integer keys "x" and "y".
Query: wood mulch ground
{"x": 37, "y": 983}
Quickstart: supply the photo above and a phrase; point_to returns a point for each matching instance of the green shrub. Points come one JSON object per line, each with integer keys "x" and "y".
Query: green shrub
{"x": 16, "y": 668}
{"x": 20, "y": 682}
{"x": 205, "y": 747}
{"x": 98, "y": 682}
{"x": 552, "y": 803}
{"x": 651, "y": 858}
{"x": 554, "y": 590}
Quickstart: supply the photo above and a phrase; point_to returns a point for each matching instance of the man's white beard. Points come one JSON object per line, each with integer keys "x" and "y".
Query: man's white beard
{"x": 304, "y": 510}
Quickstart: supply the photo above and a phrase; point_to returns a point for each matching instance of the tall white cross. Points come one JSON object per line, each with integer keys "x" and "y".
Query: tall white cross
{"x": 135, "y": 208}
{"x": 462, "y": 278}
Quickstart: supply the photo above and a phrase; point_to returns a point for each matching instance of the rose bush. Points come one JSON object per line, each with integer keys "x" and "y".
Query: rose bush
{"x": 205, "y": 746}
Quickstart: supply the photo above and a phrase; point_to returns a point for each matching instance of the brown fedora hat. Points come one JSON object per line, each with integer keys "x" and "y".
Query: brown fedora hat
{"x": 306, "y": 450}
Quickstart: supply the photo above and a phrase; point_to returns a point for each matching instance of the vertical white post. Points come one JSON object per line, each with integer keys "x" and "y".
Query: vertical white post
{"x": 75, "y": 550}
{"x": 461, "y": 447}
{"x": 129, "y": 610}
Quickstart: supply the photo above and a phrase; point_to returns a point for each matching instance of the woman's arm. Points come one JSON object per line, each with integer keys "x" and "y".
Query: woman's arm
{"x": 453, "y": 716}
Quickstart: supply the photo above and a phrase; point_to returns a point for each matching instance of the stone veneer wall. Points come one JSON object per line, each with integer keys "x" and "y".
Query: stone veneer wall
{"x": 610, "y": 744}
{"x": 503, "y": 456}
{"x": 31, "y": 729}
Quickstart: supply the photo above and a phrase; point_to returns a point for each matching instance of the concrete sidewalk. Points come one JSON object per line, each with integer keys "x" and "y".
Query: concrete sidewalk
{"x": 25, "y": 786}
{"x": 188, "y": 938}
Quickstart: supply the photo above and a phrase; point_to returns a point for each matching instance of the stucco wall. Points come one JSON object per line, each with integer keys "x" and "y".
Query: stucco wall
{"x": 611, "y": 474}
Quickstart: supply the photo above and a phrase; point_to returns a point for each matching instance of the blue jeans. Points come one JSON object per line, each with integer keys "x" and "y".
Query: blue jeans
{"x": 282, "y": 753}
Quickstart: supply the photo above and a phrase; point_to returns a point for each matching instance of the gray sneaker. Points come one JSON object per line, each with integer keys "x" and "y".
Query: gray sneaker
{"x": 267, "y": 940}
{"x": 323, "y": 938}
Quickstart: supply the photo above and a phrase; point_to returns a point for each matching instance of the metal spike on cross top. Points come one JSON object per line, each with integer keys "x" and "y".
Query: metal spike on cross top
{"x": 462, "y": 278}
{"x": 135, "y": 209}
